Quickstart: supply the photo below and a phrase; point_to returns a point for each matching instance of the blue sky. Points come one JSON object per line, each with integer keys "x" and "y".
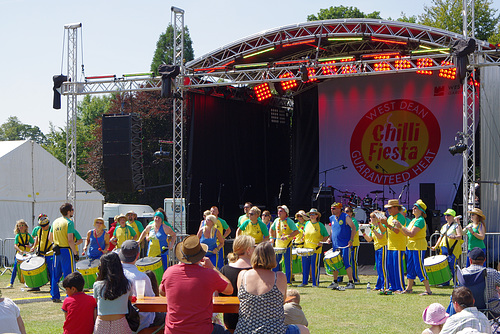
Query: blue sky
{"x": 120, "y": 37}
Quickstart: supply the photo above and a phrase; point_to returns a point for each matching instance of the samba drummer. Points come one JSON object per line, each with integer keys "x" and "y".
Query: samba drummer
{"x": 97, "y": 241}
{"x": 450, "y": 241}
{"x": 342, "y": 237}
{"x": 417, "y": 246}
{"x": 378, "y": 234}
{"x": 254, "y": 227}
{"x": 22, "y": 243}
{"x": 42, "y": 245}
{"x": 315, "y": 234}
{"x": 283, "y": 230}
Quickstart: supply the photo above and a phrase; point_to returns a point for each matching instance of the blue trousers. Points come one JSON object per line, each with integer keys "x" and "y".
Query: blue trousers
{"x": 14, "y": 272}
{"x": 395, "y": 270}
{"x": 353, "y": 260}
{"x": 287, "y": 256}
{"x": 381, "y": 264}
{"x": 311, "y": 264}
{"x": 452, "y": 263}
{"x": 164, "y": 260}
{"x": 415, "y": 265}
{"x": 64, "y": 264}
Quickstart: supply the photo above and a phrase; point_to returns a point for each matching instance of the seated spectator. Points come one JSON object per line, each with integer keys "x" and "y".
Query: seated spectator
{"x": 467, "y": 316}
{"x": 129, "y": 254}
{"x": 189, "y": 287}
{"x": 261, "y": 307}
{"x": 477, "y": 259}
{"x": 239, "y": 260}
{"x": 293, "y": 311}
{"x": 434, "y": 315}
{"x": 80, "y": 309}
{"x": 10, "y": 317}
{"x": 112, "y": 291}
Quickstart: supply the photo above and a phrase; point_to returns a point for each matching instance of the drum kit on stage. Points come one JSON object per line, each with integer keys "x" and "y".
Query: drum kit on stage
{"x": 363, "y": 206}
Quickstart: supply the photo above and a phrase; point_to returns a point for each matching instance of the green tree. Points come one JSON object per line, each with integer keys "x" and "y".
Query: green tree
{"x": 447, "y": 15}
{"x": 164, "y": 53}
{"x": 13, "y": 129}
{"x": 341, "y": 12}
{"x": 409, "y": 19}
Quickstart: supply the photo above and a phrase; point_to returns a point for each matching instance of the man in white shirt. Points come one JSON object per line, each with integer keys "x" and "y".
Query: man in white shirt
{"x": 467, "y": 315}
{"x": 129, "y": 254}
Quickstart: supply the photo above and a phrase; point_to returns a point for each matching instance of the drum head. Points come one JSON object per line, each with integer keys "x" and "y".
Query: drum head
{"x": 360, "y": 215}
{"x": 23, "y": 257}
{"x": 434, "y": 260}
{"x": 86, "y": 264}
{"x": 147, "y": 261}
{"x": 32, "y": 263}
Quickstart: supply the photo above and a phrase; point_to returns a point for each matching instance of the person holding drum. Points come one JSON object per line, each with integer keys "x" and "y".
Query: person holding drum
{"x": 396, "y": 246}
{"x": 378, "y": 234}
{"x": 209, "y": 235}
{"x": 355, "y": 245}
{"x": 254, "y": 227}
{"x": 42, "y": 245}
{"x": 157, "y": 234}
{"x": 450, "y": 241}
{"x": 22, "y": 243}
{"x": 315, "y": 234}
{"x": 302, "y": 219}
{"x": 283, "y": 230}
{"x": 97, "y": 241}
{"x": 476, "y": 231}
{"x": 342, "y": 237}
{"x": 123, "y": 231}
{"x": 417, "y": 246}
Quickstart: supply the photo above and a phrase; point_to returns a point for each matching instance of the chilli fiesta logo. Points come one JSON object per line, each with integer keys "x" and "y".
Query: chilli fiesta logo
{"x": 395, "y": 142}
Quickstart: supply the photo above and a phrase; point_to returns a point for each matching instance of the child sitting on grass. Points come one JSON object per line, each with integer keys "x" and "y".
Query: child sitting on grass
{"x": 80, "y": 309}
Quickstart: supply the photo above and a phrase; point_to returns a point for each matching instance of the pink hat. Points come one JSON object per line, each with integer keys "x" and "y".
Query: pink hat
{"x": 435, "y": 314}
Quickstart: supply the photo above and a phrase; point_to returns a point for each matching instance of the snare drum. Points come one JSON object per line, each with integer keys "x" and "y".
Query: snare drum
{"x": 278, "y": 250}
{"x": 20, "y": 258}
{"x": 296, "y": 262}
{"x": 151, "y": 263}
{"x": 333, "y": 262}
{"x": 35, "y": 271}
{"x": 437, "y": 269}
{"x": 89, "y": 270}
{"x": 305, "y": 251}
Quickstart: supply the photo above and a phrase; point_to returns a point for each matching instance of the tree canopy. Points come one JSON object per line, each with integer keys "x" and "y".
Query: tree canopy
{"x": 164, "y": 53}
{"x": 13, "y": 129}
{"x": 340, "y": 12}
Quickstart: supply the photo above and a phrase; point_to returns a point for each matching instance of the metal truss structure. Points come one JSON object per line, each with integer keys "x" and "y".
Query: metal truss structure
{"x": 307, "y": 53}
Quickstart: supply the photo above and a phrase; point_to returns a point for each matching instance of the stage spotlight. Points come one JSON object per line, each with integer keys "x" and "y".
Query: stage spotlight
{"x": 460, "y": 146}
{"x": 461, "y": 49}
{"x": 262, "y": 91}
{"x": 168, "y": 73}
{"x": 304, "y": 73}
{"x": 58, "y": 81}
{"x": 161, "y": 154}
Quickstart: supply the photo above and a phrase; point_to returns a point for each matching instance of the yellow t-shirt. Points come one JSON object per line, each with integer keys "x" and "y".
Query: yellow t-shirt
{"x": 396, "y": 241}
{"x": 378, "y": 243}
{"x": 418, "y": 242}
{"x": 257, "y": 231}
{"x": 298, "y": 240}
{"x": 60, "y": 229}
{"x": 283, "y": 228}
{"x": 123, "y": 233}
{"x": 313, "y": 234}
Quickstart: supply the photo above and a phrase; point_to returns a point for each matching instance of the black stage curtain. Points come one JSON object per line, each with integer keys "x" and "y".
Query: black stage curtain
{"x": 305, "y": 149}
{"x": 235, "y": 154}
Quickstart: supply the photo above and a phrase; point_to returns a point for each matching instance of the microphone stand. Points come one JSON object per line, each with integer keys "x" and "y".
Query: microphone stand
{"x": 201, "y": 210}
{"x": 333, "y": 168}
{"x": 319, "y": 191}
{"x": 279, "y": 195}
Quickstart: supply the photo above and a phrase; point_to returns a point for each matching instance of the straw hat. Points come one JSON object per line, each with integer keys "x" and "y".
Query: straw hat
{"x": 132, "y": 212}
{"x": 435, "y": 314}
{"x": 478, "y": 212}
{"x": 392, "y": 202}
{"x": 190, "y": 250}
{"x": 303, "y": 214}
{"x": 121, "y": 215}
{"x": 316, "y": 212}
{"x": 99, "y": 219}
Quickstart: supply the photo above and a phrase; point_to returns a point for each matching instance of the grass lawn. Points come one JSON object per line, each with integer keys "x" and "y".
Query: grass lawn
{"x": 328, "y": 311}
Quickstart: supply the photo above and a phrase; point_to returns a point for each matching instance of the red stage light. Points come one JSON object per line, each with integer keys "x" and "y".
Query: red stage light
{"x": 402, "y": 64}
{"x": 299, "y": 43}
{"x": 285, "y": 85}
{"x": 289, "y": 62}
{"x": 383, "y": 66}
{"x": 311, "y": 73}
{"x": 448, "y": 73}
{"x": 96, "y": 77}
{"x": 262, "y": 91}
{"x": 422, "y": 63}
{"x": 330, "y": 70}
{"x": 348, "y": 68}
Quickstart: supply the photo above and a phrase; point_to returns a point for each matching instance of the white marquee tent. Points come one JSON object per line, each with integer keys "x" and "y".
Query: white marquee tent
{"x": 32, "y": 181}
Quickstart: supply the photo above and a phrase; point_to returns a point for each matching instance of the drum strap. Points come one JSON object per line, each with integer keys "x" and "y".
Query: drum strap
{"x": 47, "y": 246}
{"x": 450, "y": 250}
{"x": 97, "y": 240}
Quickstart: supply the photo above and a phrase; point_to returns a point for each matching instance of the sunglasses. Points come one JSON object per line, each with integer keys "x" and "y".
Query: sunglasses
{"x": 251, "y": 213}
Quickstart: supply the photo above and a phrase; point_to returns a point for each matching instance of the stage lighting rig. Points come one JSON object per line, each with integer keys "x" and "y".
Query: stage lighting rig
{"x": 460, "y": 146}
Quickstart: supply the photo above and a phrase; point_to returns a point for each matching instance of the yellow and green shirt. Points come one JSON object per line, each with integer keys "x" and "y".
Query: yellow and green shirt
{"x": 257, "y": 231}
{"x": 396, "y": 241}
{"x": 60, "y": 229}
{"x": 313, "y": 234}
{"x": 417, "y": 242}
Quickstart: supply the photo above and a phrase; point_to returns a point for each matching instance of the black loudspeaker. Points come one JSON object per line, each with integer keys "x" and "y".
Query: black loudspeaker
{"x": 428, "y": 195}
{"x": 122, "y": 152}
